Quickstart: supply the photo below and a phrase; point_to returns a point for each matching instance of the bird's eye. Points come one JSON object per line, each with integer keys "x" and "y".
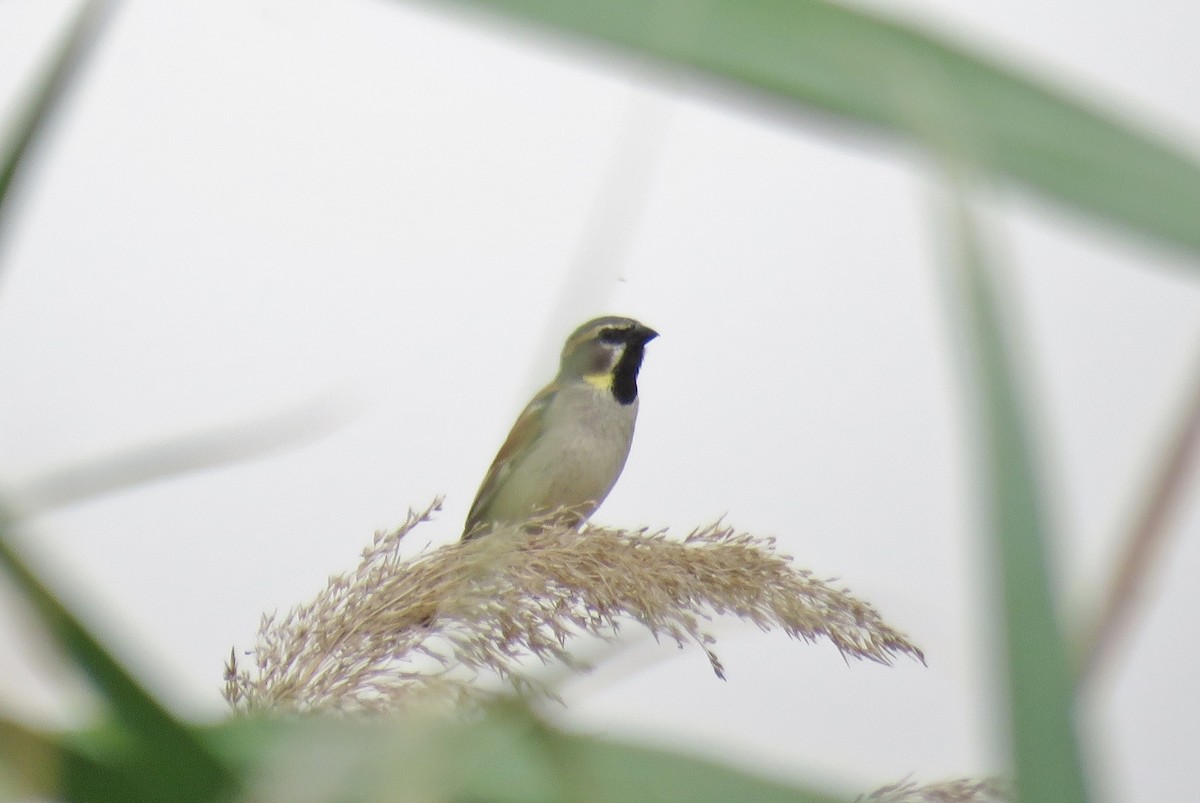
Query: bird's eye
{"x": 612, "y": 336}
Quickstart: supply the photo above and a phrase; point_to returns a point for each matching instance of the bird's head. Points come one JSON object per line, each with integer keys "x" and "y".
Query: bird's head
{"x": 607, "y": 353}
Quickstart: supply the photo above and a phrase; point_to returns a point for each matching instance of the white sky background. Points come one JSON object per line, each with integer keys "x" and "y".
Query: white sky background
{"x": 250, "y": 205}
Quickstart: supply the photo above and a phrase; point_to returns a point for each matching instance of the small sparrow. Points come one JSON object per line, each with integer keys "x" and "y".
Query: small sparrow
{"x": 568, "y": 446}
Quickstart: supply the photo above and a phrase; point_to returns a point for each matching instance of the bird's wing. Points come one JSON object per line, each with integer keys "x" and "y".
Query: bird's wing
{"x": 527, "y": 429}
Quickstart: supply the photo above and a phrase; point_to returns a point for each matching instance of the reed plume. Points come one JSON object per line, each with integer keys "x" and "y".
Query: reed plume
{"x": 398, "y": 630}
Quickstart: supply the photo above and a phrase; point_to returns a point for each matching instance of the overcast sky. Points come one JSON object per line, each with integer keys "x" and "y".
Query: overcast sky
{"x": 398, "y": 214}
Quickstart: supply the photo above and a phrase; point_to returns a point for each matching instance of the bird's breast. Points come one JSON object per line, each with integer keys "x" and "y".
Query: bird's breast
{"x": 584, "y": 448}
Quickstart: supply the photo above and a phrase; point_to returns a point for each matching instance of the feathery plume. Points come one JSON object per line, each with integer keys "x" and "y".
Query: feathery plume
{"x": 962, "y": 790}
{"x": 401, "y": 630}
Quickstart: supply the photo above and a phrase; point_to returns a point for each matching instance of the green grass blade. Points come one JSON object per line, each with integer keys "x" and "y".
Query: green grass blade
{"x": 1039, "y": 673}
{"x": 868, "y": 70}
{"x": 172, "y": 763}
{"x": 509, "y": 754}
{"x": 48, "y": 766}
{"x": 30, "y": 763}
{"x": 31, "y": 122}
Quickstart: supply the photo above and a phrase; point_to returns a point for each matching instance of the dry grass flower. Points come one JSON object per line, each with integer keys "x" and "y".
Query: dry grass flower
{"x": 962, "y": 790}
{"x": 398, "y": 630}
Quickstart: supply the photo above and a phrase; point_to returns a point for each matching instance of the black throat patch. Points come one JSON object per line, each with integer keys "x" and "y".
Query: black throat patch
{"x": 624, "y": 386}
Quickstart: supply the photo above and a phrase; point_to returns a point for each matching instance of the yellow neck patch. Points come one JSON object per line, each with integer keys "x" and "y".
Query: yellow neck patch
{"x": 602, "y": 381}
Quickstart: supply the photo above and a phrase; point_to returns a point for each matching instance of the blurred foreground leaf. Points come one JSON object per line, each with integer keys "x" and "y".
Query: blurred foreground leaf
{"x": 95, "y": 765}
{"x": 30, "y": 763}
{"x": 31, "y": 121}
{"x": 171, "y": 762}
{"x": 506, "y": 755}
{"x": 811, "y": 54}
{"x": 1040, "y": 684}
{"x": 1142, "y": 548}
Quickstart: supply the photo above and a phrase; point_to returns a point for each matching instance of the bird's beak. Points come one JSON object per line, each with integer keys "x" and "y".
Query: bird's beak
{"x": 644, "y": 334}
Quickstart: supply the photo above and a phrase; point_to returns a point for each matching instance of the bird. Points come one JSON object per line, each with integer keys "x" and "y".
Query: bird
{"x": 567, "y": 448}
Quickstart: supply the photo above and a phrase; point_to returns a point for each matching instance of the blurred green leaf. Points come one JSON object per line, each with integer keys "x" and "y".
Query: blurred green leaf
{"x": 865, "y": 69}
{"x": 101, "y": 763}
{"x": 1040, "y": 683}
{"x": 507, "y": 755}
{"x": 170, "y": 761}
{"x": 36, "y": 765}
{"x": 32, "y": 120}
{"x": 30, "y": 763}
